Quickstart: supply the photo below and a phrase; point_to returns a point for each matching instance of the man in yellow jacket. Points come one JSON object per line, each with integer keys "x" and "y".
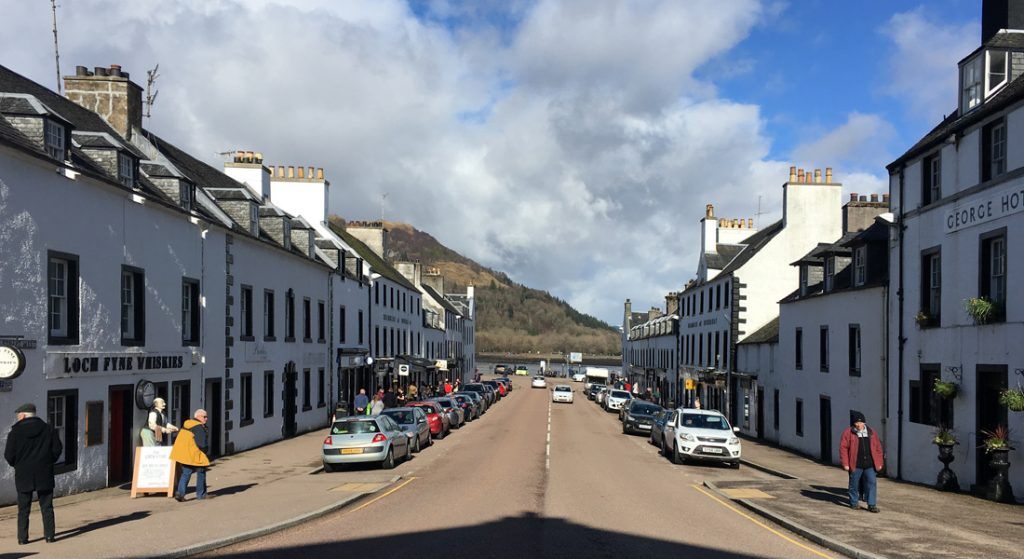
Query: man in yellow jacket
{"x": 190, "y": 450}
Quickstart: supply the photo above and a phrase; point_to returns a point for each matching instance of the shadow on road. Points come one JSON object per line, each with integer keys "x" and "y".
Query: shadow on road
{"x": 99, "y": 524}
{"x": 525, "y": 536}
{"x": 836, "y": 495}
{"x": 232, "y": 489}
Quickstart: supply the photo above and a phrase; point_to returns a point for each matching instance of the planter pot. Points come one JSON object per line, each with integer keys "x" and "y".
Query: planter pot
{"x": 947, "y": 480}
{"x": 999, "y": 488}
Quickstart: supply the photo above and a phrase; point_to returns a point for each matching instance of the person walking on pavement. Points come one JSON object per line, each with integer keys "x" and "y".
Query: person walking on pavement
{"x": 33, "y": 447}
{"x": 360, "y": 402}
{"x": 447, "y": 387}
{"x": 390, "y": 400}
{"x": 400, "y": 399}
{"x": 860, "y": 451}
{"x": 156, "y": 426}
{"x": 191, "y": 450}
{"x": 377, "y": 406}
{"x": 412, "y": 392}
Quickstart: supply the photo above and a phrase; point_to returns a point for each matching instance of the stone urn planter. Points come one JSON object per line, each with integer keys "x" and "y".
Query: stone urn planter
{"x": 999, "y": 488}
{"x": 947, "y": 480}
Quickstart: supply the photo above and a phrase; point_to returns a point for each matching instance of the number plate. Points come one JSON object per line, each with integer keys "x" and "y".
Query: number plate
{"x": 713, "y": 450}
{"x": 644, "y": 426}
{"x": 351, "y": 451}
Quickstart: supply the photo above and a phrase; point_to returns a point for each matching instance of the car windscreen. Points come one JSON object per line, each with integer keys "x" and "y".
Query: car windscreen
{"x": 462, "y": 399}
{"x": 563, "y": 389}
{"x": 620, "y": 394}
{"x": 474, "y": 387}
{"x": 354, "y": 427}
{"x": 644, "y": 409}
{"x": 401, "y": 416}
{"x": 701, "y": 421}
{"x": 427, "y": 408}
{"x": 446, "y": 403}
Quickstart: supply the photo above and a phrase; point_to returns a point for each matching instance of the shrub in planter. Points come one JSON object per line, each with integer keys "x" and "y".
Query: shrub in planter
{"x": 945, "y": 436}
{"x": 946, "y": 389}
{"x": 1012, "y": 398}
{"x": 996, "y": 439}
{"x": 980, "y": 309}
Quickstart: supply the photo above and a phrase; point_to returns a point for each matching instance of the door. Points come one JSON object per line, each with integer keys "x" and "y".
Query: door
{"x": 215, "y": 418}
{"x": 289, "y": 397}
{"x": 990, "y": 414}
{"x": 760, "y": 412}
{"x": 825, "y": 421}
{"x": 121, "y": 450}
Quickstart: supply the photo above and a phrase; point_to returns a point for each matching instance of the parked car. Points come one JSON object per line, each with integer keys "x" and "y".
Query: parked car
{"x": 616, "y": 399}
{"x": 479, "y": 389}
{"x": 602, "y": 393}
{"x": 696, "y": 434}
{"x": 373, "y": 438}
{"x": 592, "y": 391}
{"x": 562, "y": 393}
{"x": 491, "y": 392}
{"x": 539, "y": 382}
{"x": 497, "y": 386}
{"x": 658, "y": 427}
{"x": 456, "y": 416}
{"x": 579, "y": 376}
{"x": 522, "y": 371}
{"x": 414, "y": 422}
{"x": 507, "y": 382}
{"x": 469, "y": 407}
{"x": 638, "y": 416}
{"x": 437, "y": 419}
{"x": 500, "y": 369}
{"x": 478, "y": 399}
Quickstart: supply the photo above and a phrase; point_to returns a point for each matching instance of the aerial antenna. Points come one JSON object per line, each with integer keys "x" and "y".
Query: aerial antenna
{"x": 151, "y": 94}
{"x": 56, "y": 50}
{"x": 383, "y": 197}
{"x": 757, "y": 216}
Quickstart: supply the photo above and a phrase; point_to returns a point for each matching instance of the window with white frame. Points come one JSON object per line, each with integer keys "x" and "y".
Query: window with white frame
{"x": 931, "y": 173}
{"x": 860, "y": 265}
{"x": 993, "y": 270}
{"x": 54, "y": 140}
{"x": 58, "y": 285}
{"x": 996, "y": 75}
{"x": 62, "y": 415}
{"x": 268, "y": 315}
{"x": 186, "y": 196}
{"x": 970, "y": 83}
{"x": 125, "y": 170}
{"x": 190, "y": 311}
{"x": 246, "y": 312}
{"x": 254, "y": 219}
{"x": 830, "y": 268}
{"x": 132, "y": 306}
{"x": 993, "y": 150}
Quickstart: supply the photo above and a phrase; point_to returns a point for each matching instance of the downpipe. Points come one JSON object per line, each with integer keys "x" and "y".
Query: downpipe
{"x": 901, "y": 339}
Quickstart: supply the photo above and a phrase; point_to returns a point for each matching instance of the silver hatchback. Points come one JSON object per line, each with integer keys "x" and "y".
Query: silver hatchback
{"x": 355, "y": 439}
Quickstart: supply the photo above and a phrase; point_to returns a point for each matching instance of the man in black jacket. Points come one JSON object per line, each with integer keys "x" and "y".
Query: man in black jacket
{"x": 32, "y": 449}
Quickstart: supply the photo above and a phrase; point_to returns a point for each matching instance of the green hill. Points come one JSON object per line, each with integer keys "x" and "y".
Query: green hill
{"x": 510, "y": 317}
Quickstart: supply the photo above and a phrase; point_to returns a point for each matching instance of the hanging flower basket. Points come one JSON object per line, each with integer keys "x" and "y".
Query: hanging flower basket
{"x": 947, "y": 390}
{"x": 1012, "y": 398}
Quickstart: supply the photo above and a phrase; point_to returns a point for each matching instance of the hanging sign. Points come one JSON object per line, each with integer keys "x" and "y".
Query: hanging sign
{"x": 403, "y": 370}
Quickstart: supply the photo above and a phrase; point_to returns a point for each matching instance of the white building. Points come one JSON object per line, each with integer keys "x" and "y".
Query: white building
{"x": 757, "y": 358}
{"x": 741, "y": 275}
{"x": 650, "y": 346}
{"x": 958, "y": 197}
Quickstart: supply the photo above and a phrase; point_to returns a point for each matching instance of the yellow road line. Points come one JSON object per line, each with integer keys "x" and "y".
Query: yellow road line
{"x": 379, "y": 497}
{"x": 759, "y": 523}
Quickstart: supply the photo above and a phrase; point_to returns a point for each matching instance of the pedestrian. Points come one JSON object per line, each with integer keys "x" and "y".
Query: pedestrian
{"x": 447, "y": 387}
{"x": 360, "y": 402}
{"x": 412, "y": 392}
{"x": 377, "y": 406}
{"x": 860, "y": 451}
{"x": 696, "y": 403}
{"x": 628, "y": 386}
{"x": 400, "y": 398}
{"x": 656, "y": 395}
{"x": 191, "y": 450}
{"x": 458, "y": 386}
{"x": 33, "y": 447}
{"x": 390, "y": 399}
{"x": 156, "y": 426}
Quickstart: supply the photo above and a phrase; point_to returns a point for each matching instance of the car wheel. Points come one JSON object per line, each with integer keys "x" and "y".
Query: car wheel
{"x": 662, "y": 448}
{"x": 331, "y": 467}
{"x": 625, "y": 430}
{"x": 735, "y": 465}
{"x": 676, "y": 458}
{"x": 440, "y": 434}
{"x": 408, "y": 452}
{"x": 417, "y": 447}
{"x": 430, "y": 439}
{"x": 389, "y": 461}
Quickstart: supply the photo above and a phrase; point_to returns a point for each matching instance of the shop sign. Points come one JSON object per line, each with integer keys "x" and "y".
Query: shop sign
{"x": 66, "y": 364}
{"x": 441, "y": 364}
{"x": 984, "y": 210}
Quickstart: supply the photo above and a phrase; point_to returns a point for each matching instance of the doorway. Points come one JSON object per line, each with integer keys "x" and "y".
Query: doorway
{"x": 760, "y": 412}
{"x": 288, "y": 406}
{"x": 120, "y": 452}
{"x": 215, "y": 416}
{"x": 825, "y": 421}
{"x": 991, "y": 379}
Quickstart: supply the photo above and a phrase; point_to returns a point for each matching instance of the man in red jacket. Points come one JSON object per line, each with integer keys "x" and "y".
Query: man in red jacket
{"x": 860, "y": 451}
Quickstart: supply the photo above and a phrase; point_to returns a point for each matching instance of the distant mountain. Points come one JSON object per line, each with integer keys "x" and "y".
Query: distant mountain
{"x": 510, "y": 317}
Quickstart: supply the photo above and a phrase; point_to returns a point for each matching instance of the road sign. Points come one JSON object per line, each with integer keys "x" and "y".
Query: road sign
{"x": 575, "y": 357}
{"x": 403, "y": 370}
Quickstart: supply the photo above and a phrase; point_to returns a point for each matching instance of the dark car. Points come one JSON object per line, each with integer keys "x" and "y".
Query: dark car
{"x": 414, "y": 422}
{"x": 639, "y": 416}
{"x": 658, "y": 428}
{"x": 593, "y": 389}
{"x": 457, "y": 415}
{"x": 478, "y": 399}
{"x": 469, "y": 407}
{"x": 485, "y": 391}
{"x": 500, "y": 369}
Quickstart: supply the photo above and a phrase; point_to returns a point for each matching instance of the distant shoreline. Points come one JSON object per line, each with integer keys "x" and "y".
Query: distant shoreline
{"x": 554, "y": 359}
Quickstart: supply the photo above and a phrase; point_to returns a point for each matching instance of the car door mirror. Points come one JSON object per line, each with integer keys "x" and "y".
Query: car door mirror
{"x": 736, "y": 429}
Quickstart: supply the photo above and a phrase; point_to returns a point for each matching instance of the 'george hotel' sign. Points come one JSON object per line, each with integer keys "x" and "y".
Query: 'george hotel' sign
{"x": 982, "y": 210}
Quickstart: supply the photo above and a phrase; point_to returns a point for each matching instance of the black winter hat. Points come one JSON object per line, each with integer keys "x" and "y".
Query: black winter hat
{"x": 856, "y": 416}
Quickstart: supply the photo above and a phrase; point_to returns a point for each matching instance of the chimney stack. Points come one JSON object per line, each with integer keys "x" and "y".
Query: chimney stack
{"x": 1000, "y": 14}
{"x": 109, "y": 93}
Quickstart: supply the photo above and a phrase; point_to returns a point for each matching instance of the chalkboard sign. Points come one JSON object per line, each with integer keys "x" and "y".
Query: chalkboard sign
{"x": 154, "y": 471}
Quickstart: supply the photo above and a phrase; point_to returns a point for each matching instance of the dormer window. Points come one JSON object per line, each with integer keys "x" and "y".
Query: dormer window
{"x": 186, "y": 197}
{"x": 55, "y": 140}
{"x": 970, "y": 81}
{"x": 125, "y": 170}
{"x": 803, "y": 280}
{"x": 996, "y": 78}
{"x": 830, "y": 270}
{"x": 254, "y": 220}
{"x": 860, "y": 265}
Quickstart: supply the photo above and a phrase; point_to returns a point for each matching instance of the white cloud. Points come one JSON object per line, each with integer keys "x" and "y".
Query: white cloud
{"x": 922, "y": 70}
{"x": 583, "y": 169}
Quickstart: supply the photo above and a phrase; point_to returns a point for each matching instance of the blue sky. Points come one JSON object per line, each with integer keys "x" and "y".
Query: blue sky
{"x": 570, "y": 143}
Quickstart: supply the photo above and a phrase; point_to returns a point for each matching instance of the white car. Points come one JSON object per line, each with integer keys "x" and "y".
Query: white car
{"x": 694, "y": 434}
{"x": 562, "y": 393}
{"x": 579, "y": 377}
{"x": 539, "y": 382}
{"x": 616, "y": 399}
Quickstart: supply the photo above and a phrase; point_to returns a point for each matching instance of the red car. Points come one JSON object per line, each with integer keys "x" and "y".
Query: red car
{"x": 437, "y": 419}
{"x": 498, "y": 386}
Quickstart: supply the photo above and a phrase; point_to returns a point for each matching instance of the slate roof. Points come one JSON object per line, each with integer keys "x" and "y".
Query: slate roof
{"x": 767, "y": 334}
{"x": 445, "y": 303}
{"x": 723, "y": 255}
{"x": 878, "y": 231}
{"x": 754, "y": 243}
{"x": 376, "y": 262}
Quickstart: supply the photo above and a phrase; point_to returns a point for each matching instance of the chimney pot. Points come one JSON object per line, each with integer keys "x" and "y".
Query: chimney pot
{"x": 310, "y": 175}
{"x": 320, "y": 174}
{"x": 792, "y": 174}
{"x": 863, "y": 198}
{"x": 885, "y": 198}
{"x": 82, "y": 71}
{"x": 800, "y": 175}
{"x": 239, "y": 156}
{"x": 750, "y": 223}
{"x": 100, "y": 71}
{"x": 853, "y": 196}
{"x": 302, "y": 172}
{"x": 828, "y": 175}
{"x": 874, "y": 197}
{"x": 291, "y": 172}
{"x": 115, "y": 70}
{"x": 817, "y": 176}
{"x": 249, "y": 157}
{"x": 709, "y": 211}
{"x": 259, "y": 157}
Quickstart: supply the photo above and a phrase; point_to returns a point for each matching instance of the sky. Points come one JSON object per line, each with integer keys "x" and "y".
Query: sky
{"x": 571, "y": 144}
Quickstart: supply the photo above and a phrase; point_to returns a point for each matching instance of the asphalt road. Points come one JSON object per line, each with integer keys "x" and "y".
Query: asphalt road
{"x": 495, "y": 489}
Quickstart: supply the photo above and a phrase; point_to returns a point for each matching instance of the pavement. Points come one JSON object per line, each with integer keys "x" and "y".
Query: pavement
{"x": 915, "y": 521}
{"x": 268, "y": 489}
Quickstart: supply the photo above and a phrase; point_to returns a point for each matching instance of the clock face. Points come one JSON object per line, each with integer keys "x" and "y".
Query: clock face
{"x": 12, "y": 362}
{"x": 145, "y": 393}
